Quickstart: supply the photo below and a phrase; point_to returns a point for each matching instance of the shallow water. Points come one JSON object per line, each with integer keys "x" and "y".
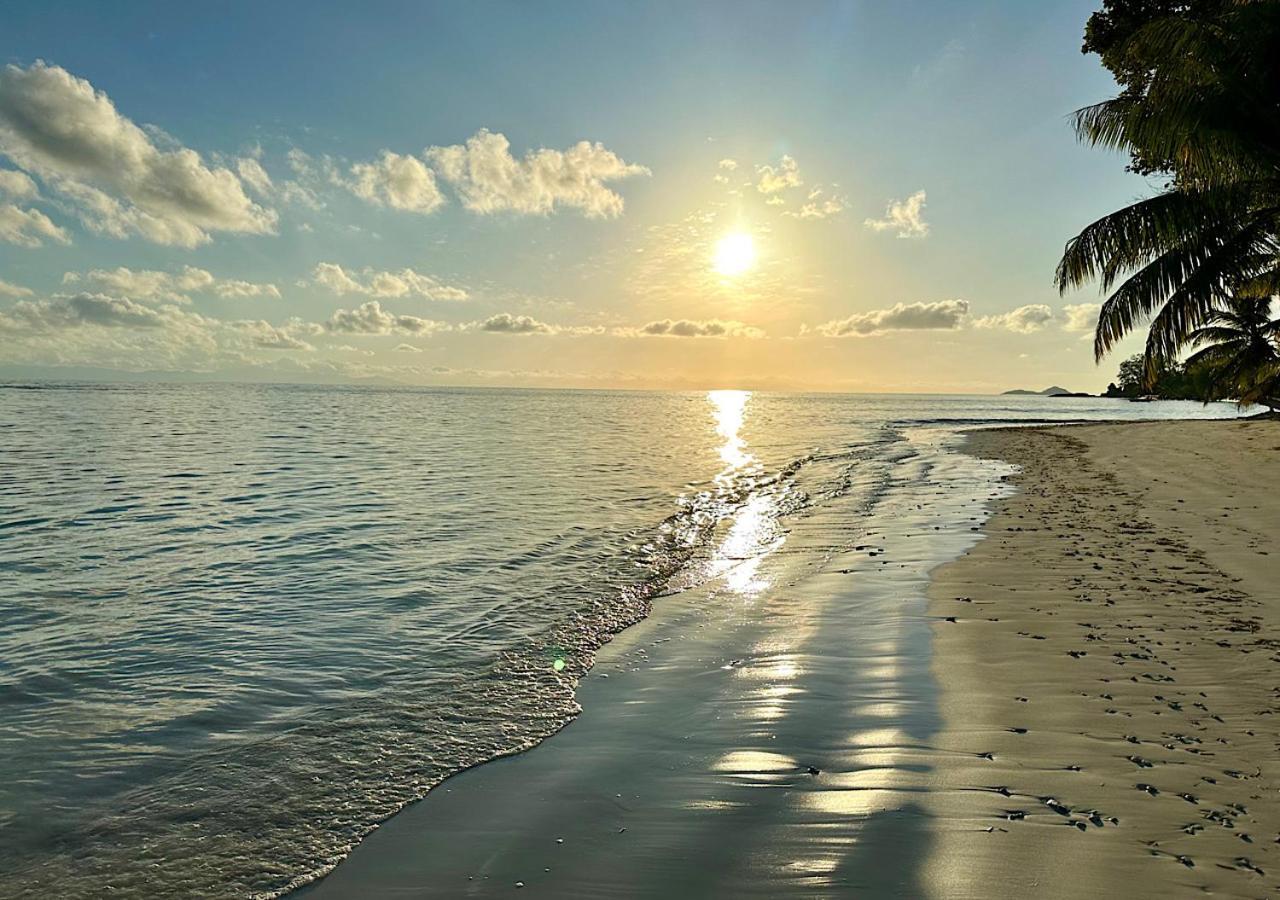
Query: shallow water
{"x": 240, "y": 625}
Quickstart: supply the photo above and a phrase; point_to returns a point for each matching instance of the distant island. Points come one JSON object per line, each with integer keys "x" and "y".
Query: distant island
{"x": 1054, "y": 391}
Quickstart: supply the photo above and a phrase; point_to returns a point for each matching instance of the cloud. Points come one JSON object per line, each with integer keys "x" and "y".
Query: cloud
{"x": 1080, "y": 317}
{"x": 489, "y": 179}
{"x": 58, "y": 128}
{"x": 941, "y": 315}
{"x": 903, "y": 217}
{"x": 506, "y": 323}
{"x": 407, "y": 348}
{"x": 270, "y": 337}
{"x": 17, "y": 185}
{"x": 772, "y": 180}
{"x": 400, "y": 182}
{"x": 9, "y": 289}
{"x": 819, "y": 206}
{"x": 252, "y": 174}
{"x": 62, "y": 312}
{"x": 28, "y": 227}
{"x": 1023, "y": 320}
{"x": 146, "y": 284}
{"x": 713, "y": 328}
{"x": 372, "y": 283}
{"x": 370, "y": 318}
{"x": 727, "y": 164}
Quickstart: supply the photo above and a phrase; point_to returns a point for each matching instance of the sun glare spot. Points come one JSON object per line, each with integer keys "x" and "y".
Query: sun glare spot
{"x": 735, "y": 254}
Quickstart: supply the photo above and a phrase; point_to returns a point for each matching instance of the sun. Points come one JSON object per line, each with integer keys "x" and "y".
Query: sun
{"x": 735, "y": 254}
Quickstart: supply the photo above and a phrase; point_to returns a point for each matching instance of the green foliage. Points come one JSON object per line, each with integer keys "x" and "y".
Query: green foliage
{"x": 1174, "y": 381}
{"x": 1107, "y": 34}
{"x": 1199, "y": 102}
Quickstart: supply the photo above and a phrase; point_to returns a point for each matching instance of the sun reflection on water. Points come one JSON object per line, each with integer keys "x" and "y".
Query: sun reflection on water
{"x": 729, "y": 410}
{"x": 754, "y": 529}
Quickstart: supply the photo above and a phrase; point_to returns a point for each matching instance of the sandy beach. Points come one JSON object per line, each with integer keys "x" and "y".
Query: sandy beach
{"x": 1083, "y": 703}
{"x": 1115, "y": 653}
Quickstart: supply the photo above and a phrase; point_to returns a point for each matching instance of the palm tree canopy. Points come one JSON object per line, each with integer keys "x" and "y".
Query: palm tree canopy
{"x": 1201, "y": 102}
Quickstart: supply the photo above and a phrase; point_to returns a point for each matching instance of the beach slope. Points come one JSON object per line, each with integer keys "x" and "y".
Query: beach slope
{"x": 1111, "y": 682}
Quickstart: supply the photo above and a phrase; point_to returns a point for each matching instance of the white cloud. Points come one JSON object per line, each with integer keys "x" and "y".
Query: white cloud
{"x": 1080, "y": 317}
{"x": 62, "y": 312}
{"x": 28, "y": 227}
{"x": 9, "y": 289}
{"x": 714, "y": 328}
{"x": 819, "y": 205}
{"x": 400, "y": 182}
{"x": 146, "y": 284}
{"x": 57, "y": 127}
{"x": 270, "y": 337}
{"x": 940, "y": 315}
{"x": 506, "y": 323}
{"x": 17, "y": 185}
{"x": 370, "y": 318}
{"x": 772, "y": 180}
{"x": 1023, "y": 320}
{"x": 407, "y": 348}
{"x": 373, "y": 283}
{"x": 489, "y": 179}
{"x": 728, "y": 164}
{"x": 252, "y": 174}
{"x": 903, "y": 217}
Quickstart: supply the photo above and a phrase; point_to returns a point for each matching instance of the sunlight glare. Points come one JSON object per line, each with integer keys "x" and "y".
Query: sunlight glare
{"x": 735, "y": 254}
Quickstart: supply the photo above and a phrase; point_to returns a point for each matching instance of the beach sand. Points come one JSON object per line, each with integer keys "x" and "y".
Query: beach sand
{"x": 853, "y": 717}
{"x": 1117, "y": 653}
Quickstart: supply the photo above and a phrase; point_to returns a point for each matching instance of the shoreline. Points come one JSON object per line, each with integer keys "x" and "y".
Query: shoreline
{"x": 761, "y": 735}
{"x": 841, "y": 737}
{"x": 1115, "y": 655}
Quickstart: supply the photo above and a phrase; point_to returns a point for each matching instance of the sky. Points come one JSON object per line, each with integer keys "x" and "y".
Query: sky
{"x": 856, "y": 196}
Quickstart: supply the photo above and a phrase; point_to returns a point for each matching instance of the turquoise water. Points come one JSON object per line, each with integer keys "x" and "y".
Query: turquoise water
{"x": 241, "y": 625}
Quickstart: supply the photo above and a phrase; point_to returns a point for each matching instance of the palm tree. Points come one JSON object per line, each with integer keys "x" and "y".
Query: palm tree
{"x": 1209, "y": 112}
{"x": 1239, "y": 351}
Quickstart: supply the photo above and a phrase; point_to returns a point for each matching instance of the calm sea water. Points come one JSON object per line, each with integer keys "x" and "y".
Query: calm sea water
{"x": 241, "y": 625}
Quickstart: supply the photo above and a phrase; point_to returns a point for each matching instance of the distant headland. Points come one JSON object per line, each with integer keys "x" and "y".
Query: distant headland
{"x": 1053, "y": 391}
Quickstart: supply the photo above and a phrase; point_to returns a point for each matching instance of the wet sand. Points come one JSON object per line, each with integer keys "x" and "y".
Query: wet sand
{"x": 1117, "y": 654}
{"x": 1083, "y": 705}
{"x": 764, "y": 735}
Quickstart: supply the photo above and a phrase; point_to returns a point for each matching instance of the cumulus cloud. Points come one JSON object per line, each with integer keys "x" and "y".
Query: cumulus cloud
{"x": 489, "y": 179}
{"x": 940, "y": 315}
{"x": 57, "y": 127}
{"x": 400, "y": 182}
{"x": 146, "y": 284}
{"x": 905, "y": 218}
{"x": 17, "y": 185}
{"x": 22, "y": 226}
{"x": 786, "y": 175}
{"x": 373, "y": 283}
{"x": 370, "y": 318}
{"x": 506, "y": 323}
{"x": 1024, "y": 319}
{"x": 727, "y": 164}
{"x": 9, "y": 289}
{"x": 28, "y": 227}
{"x": 714, "y": 328}
{"x": 1080, "y": 317}
{"x": 270, "y": 337}
{"x": 62, "y": 312}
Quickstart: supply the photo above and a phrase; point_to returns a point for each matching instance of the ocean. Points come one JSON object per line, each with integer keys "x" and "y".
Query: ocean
{"x": 241, "y": 625}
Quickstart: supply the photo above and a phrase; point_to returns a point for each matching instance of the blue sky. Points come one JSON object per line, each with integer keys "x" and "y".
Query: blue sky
{"x": 565, "y": 283}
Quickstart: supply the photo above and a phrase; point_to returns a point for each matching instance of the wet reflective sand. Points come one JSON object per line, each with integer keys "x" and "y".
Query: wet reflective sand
{"x": 765, "y": 734}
